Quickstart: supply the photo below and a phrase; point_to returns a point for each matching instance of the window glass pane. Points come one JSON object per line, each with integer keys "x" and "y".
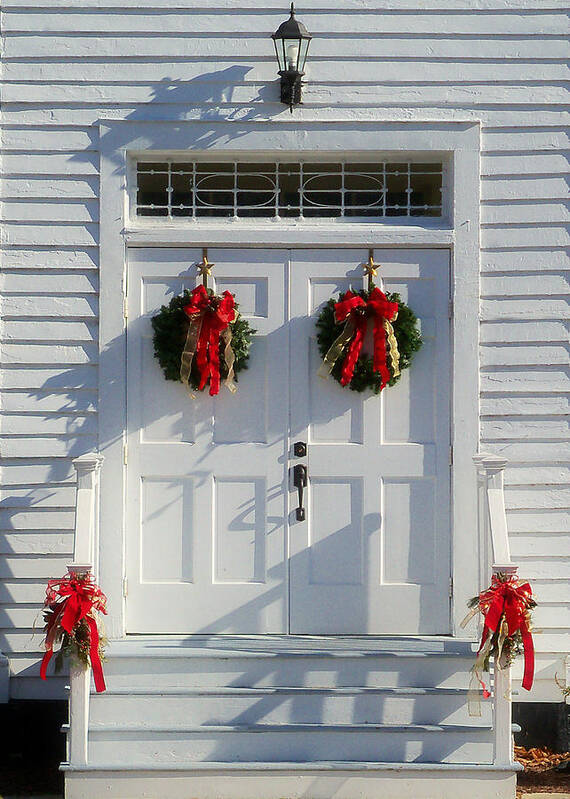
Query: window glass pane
{"x": 367, "y": 190}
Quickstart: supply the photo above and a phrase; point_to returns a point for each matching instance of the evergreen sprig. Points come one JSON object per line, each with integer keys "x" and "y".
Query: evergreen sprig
{"x": 405, "y": 329}
{"x": 170, "y": 326}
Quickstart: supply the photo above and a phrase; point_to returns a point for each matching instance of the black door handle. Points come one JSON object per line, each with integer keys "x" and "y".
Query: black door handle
{"x": 300, "y": 482}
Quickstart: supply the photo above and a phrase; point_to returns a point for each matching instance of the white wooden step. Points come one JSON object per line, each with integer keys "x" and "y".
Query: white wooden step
{"x": 343, "y": 780}
{"x": 291, "y": 742}
{"x": 230, "y": 705}
{"x": 308, "y": 662}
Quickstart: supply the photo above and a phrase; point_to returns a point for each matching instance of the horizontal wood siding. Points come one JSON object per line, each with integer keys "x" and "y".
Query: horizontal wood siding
{"x": 498, "y": 61}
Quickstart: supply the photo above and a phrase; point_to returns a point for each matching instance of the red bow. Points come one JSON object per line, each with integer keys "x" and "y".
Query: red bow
{"x": 511, "y": 600}
{"x": 215, "y": 315}
{"x": 354, "y": 308}
{"x": 70, "y": 600}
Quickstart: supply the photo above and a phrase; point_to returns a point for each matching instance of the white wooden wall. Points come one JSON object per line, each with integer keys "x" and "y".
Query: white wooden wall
{"x": 66, "y": 65}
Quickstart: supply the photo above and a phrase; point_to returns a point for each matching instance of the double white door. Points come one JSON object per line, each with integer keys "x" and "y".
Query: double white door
{"x": 213, "y": 540}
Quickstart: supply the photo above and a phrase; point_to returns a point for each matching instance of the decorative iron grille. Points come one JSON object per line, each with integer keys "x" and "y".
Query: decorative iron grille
{"x": 198, "y": 189}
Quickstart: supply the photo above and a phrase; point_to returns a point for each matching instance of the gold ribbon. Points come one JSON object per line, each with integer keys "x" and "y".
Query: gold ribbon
{"x": 394, "y": 353}
{"x": 474, "y": 692}
{"x": 336, "y": 349}
{"x": 229, "y": 358}
{"x": 189, "y": 351}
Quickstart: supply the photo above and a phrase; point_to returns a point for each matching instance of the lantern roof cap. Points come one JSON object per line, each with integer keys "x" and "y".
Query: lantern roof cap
{"x": 291, "y": 28}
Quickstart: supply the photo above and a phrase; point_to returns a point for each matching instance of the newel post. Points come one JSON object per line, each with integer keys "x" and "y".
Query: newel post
{"x": 84, "y": 560}
{"x": 494, "y": 544}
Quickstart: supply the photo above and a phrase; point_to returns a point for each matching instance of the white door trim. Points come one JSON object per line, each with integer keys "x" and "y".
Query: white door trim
{"x": 458, "y": 143}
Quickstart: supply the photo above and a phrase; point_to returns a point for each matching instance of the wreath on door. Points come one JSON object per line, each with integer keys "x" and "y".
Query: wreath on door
{"x": 200, "y": 338}
{"x": 394, "y": 331}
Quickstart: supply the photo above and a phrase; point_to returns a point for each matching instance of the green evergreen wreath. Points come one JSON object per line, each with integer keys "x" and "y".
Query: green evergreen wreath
{"x": 406, "y": 330}
{"x": 170, "y": 326}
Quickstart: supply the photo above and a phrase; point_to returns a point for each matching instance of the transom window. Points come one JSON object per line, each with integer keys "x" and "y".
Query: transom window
{"x": 200, "y": 189}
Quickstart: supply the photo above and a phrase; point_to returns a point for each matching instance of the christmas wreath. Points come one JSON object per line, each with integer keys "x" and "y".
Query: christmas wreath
{"x": 392, "y": 322}
{"x": 200, "y": 337}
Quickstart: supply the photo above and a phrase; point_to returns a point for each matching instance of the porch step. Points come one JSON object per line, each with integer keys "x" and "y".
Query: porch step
{"x": 292, "y": 742}
{"x": 248, "y": 780}
{"x": 285, "y": 704}
{"x": 307, "y": 663}
{"x": 181, "y": 704}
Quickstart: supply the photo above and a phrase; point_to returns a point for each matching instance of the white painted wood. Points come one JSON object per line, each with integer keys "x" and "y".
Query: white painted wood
{"x": 135, "y": 70}
{"x": 377, "y": 502}
{"x": 206, "y": 493}
{"x": 86, "y": 510}
{"x": 399, "y": 782}
{"x": 278, "y": 235}
{"x": 502, "y": 718}
{"x": 80, "y": 680}
{"x": 245, "y": 589}
{"x": 320, "y": 23}
{"x": 36, "y": 45}
{"x": 515, "y": 44}
{"x": 466, "y": 140}
{"x": 276, "y": 6}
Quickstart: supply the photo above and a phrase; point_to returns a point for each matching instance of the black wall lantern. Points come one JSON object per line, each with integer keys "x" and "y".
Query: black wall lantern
{"x": 291, "y": 40}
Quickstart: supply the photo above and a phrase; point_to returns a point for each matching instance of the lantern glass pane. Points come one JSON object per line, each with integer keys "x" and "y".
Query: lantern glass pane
{"x": 292, "y": 51}
{"x": 303, "y": 50}
{"x": 278, "y": 44}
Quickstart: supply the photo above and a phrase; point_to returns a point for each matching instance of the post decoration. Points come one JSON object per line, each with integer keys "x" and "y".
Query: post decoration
{"x": 71, "y": 615}
{"x": 506, "y": 608}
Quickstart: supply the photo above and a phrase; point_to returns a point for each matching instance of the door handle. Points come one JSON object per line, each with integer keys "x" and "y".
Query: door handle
{"x": 300, "y": 482}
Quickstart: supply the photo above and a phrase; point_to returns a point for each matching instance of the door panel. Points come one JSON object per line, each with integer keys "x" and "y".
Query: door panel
{"x": 373, "y": 556}
{"x": 207, "y": 477}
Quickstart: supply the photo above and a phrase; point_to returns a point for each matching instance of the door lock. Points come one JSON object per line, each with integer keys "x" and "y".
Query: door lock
{"x": 300, "y": 482}
{"x": 299, "y": 449}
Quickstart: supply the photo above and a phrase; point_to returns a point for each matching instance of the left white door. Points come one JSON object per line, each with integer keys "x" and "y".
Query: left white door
{"x": 206, "y": 493}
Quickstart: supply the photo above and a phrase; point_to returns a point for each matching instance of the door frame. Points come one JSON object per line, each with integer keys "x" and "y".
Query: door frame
{"x": 458, "y": 145}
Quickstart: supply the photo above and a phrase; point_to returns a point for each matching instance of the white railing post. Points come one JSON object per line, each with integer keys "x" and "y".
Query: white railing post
{"x": 495, "y": 552}
{"x": 84, "y": 560}
{"x": 502, "y": 702}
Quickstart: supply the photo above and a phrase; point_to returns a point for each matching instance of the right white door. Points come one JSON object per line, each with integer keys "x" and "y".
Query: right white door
{"x": 373, "y": 556}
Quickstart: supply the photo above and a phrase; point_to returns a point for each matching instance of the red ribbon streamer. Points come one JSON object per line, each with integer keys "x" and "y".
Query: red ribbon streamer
{"x": 511, "y": 599}
{"x": 379, "y": 308}
{"x": 216, "y": 316}
{"x": 71, "y": 599}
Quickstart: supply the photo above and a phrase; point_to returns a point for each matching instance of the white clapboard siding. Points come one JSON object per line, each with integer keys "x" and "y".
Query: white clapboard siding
{"x": 48, "y": 188}
{"x": 531, "y": 259}
{"x": 257, "y": 70}
{"x": 49, "y": 402}
{"x": 497, "y": 213}
{"x": 50, "y": 330}
{"x": 326, "y": 22}
{"x": 51, "y": 210}
{"x": 31, "y": 257}
{"x": 264, "y": 110}
{"x": 524, "y": 406}
{"x": 500, "y": 62}
{"x": 212, "y": 92}
{"x": 243, "y": 45}
{"x": 277, "y": 5}
{"x": 55, "y": 281}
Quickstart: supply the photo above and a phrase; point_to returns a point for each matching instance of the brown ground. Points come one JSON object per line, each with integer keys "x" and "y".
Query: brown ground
{"x": 545, "y": 771}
